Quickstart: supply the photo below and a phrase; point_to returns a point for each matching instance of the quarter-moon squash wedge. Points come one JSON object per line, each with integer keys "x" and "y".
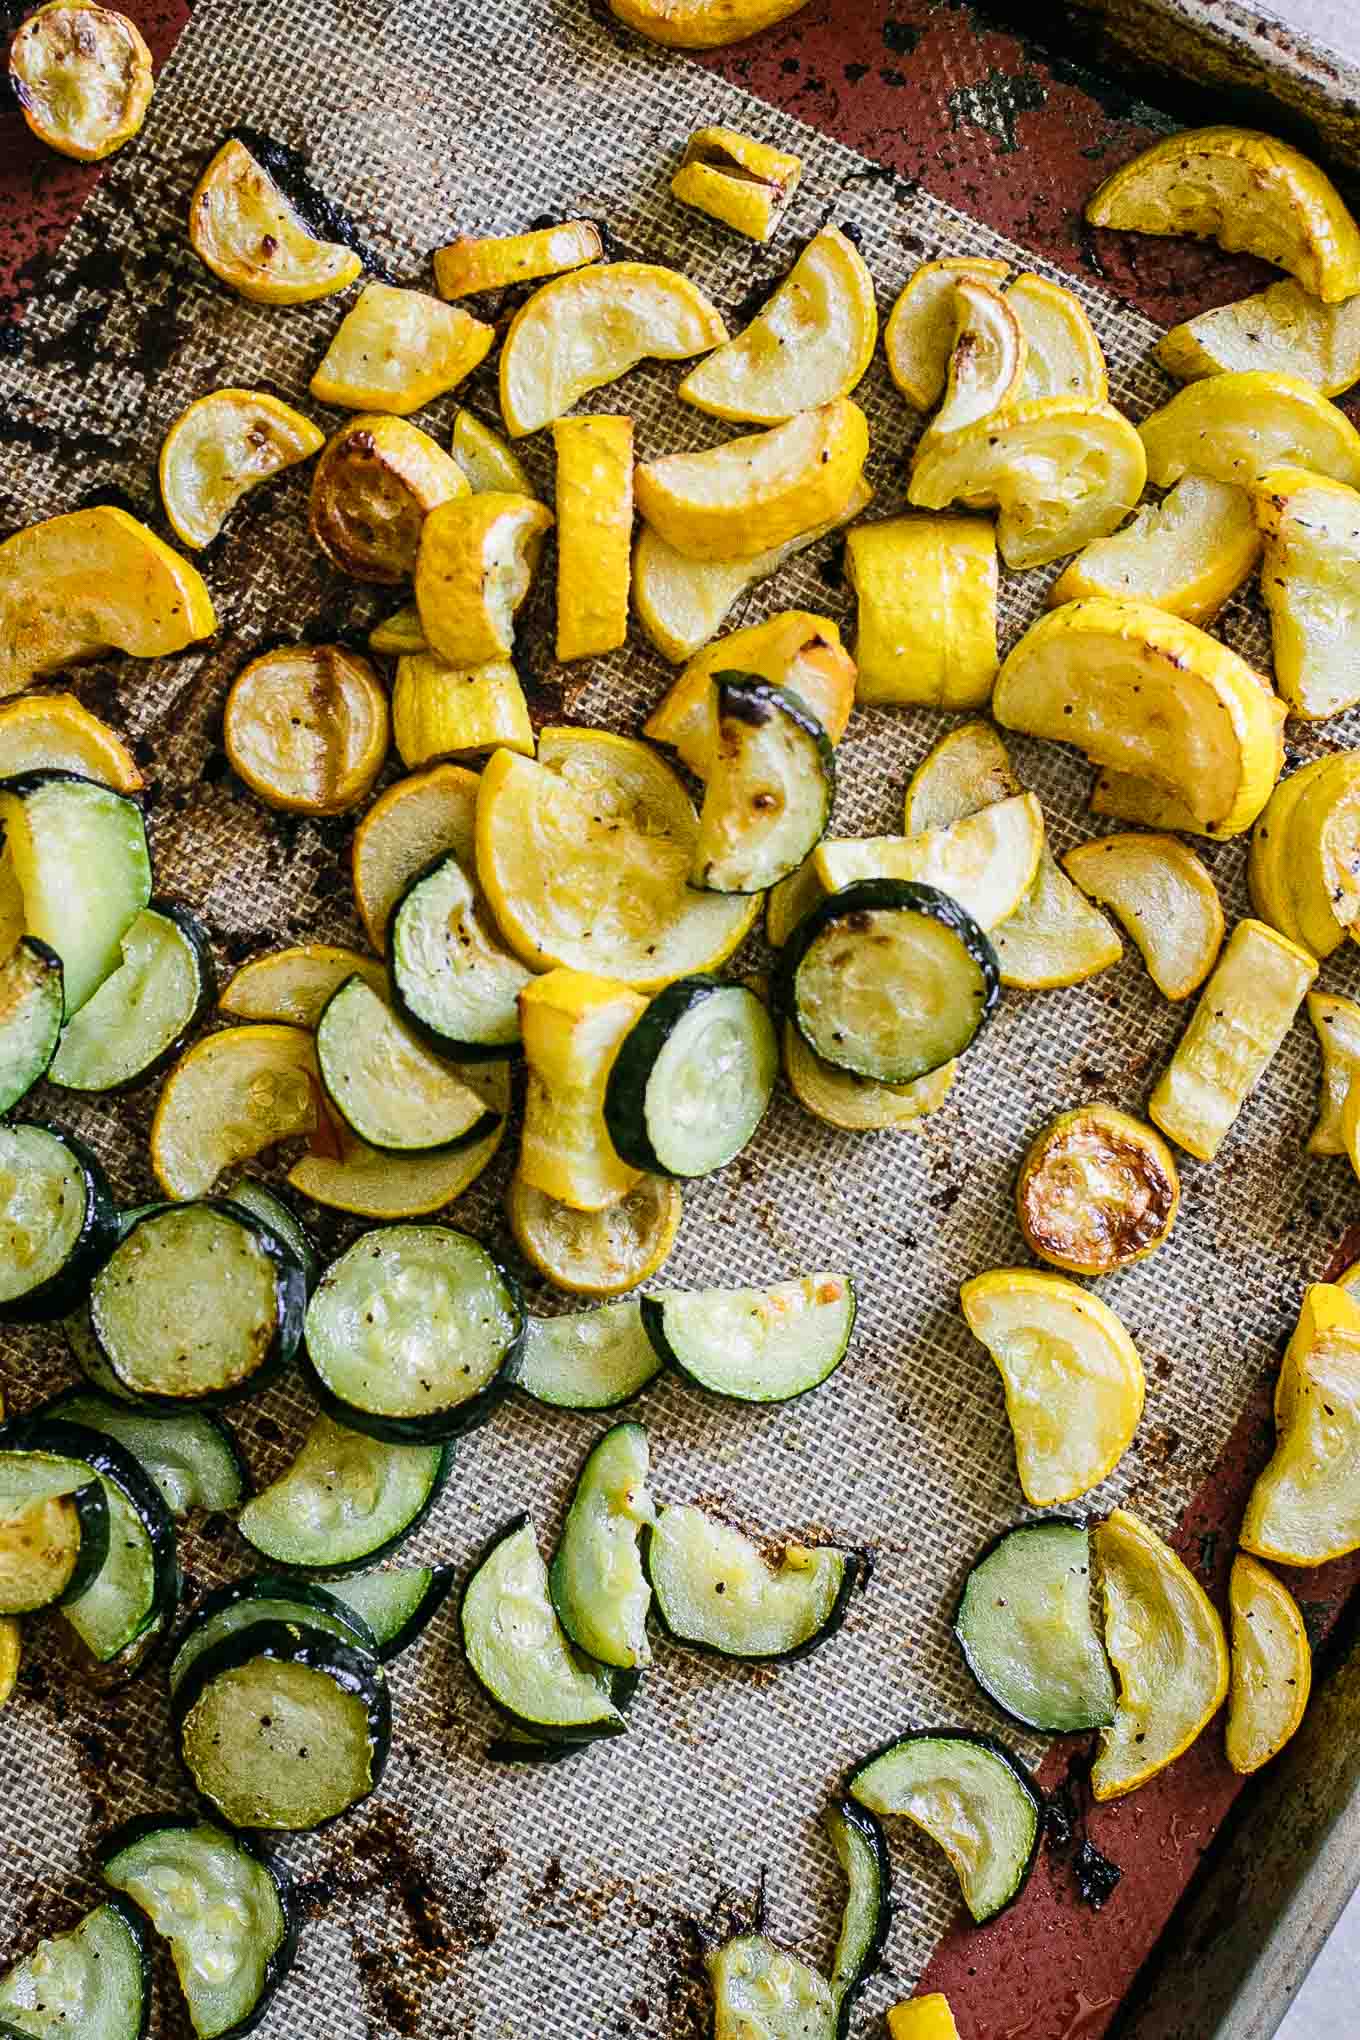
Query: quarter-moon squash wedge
{"x": 795, "y": 649}
{"x": 362, "y": 1180}
{"x": 1283, "y": 328}
{"x": 702, "y": 24}
{"x": 1310, "y": 580}
{"x": 395, "y": 350}
{"x": 757, "y": 492}
{"x": 82, "y": 77}
{"x": 56, "y": 733}
{"x": 987, "y": 360}
{"x": 1237, "y": 427}
{"x": 1305, "y": 1506}
{"x": 1164, "y": 898}
{"x": 407, "y": 828}
{"x": 291, "y": 987}
{"x": 1063, "y": 357}
{"x": 1187, "y": 553}
{"x": 245, "y": 230}
{"x": 986, "y": 862}
{"x": 221, "y": 447}
{"x": 488, "y": 461}
{"x": 1337, "y": 1024}
{"x": 1272, "y": 1666}
{"x": 920, "y": 333}
{"x": 227, "y": 1099}
{"x": 476, "y": 560}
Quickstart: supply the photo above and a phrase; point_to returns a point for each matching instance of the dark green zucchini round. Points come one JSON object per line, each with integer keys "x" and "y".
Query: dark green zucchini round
{"x": 999, "y": 1797}
{"x": 32, "y": 1001}
{"x": 911, "y": 941}
{"x": 700, "y": 1043}
{"x": 229, "y": 1717}
{"x": 122, "y": 1036}
{"x": 453, "y": 981}
{"x": 82, "y": 1242}
{"x": 265, "y": 1597}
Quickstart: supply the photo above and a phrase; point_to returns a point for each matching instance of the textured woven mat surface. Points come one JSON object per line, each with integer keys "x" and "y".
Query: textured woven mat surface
{"x": 466, "y": 1900}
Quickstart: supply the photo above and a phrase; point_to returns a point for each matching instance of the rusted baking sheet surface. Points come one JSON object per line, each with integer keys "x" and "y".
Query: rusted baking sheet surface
{"x": 539, "y": 1909}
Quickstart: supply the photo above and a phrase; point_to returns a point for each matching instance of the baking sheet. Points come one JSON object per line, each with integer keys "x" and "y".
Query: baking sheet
{"x": 566, "y": 1901}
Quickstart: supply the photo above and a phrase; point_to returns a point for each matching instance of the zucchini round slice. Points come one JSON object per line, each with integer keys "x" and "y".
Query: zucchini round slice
{"x": 226, "y": 1911}
{"x": 412, "y": 1333}
{"x": 283, "y": 1726}
{"x": 594, "y": 1360}
{"x": 692, "y": 1078}
{"x": 762, "y": 1992}
{"x": 1027, "y": 1632}
{"x": 887, "y": 979}
{"x": 597, "y": 1581}
{"x": 270, "y": 1209}
{"x": 755, "y": 1345}
{"x": 1097, "y": 1191}
{"x": 193, "y": 1458}
{"x": 57, "y": 1222}
{"x": 346, "y": 1501}
{"x": 198, "y": 1303}
{"x": 972, "y": 1797}
{"x": 31, "y": 1006}
{"x": 139, "y": 1018}
{"x": 54, "y": 1530}
{"x": 398, "y": 1605}
{"x": 386, "y": 1087}
{"x": 715, "y": 1591}
{"x": 518, "y": 1653}
{"x": 596, "y": 1253}
{"x": 453, "y": 980}
{"x": 266, "y": 1597}
{"x": 75, "y": 856}
{"x": 91, "y": 1984}
{"x": 136, "y": 1589}
{"x": 771, "y": 782}
{"x": 862, "y": 1853}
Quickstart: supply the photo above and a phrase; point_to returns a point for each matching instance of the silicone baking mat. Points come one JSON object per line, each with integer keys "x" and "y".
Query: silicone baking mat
{"x": 466, "y": 1899}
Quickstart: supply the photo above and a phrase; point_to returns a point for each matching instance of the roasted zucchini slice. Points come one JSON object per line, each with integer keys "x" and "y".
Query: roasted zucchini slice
{"x": 413, "y": 1333}
{"x": 593, "y": 1360}
{"x": 141, "y": 1016}
{"x": 596, "y": 1253}
{"x": 755, "y": 1345}
{"x": 692, "y": 1078}
{"x": 222, "y": 447}
{"x": 397, "y": 1605}
{"x": 244, "y": 229}
{"x": 404, "y": 832}
{"x": 77, "y": 867}
{"x": 745, "y": 184}
{"x": 926, "y": 591}
{"x": 389, "y": 1090}
{"x": 307, "y": 728}
{"x": 376, "y": 482}
{"x": 972, "y": 1797}
{"x": 1097, "y": 1190}
{"x": 771, "y": 784}
{"x": 32, "y": 1003}
{"x": 1272, "y": 1666}
{"x": 594, "y": 500}
{"x": 741, "y": 499}
{"x": 265, "y": 1597}
{"x": 97, "y": 1977}
{"x": 1305, "y": 1506}
{"x": 193, "y": 1458}
{"x": 519, "y": 1654}
{"x": 476, "y": 263}
{"x": 596, "y": 1579}
{"x": 1027, "y": 1632}
{"x": 346, "y": 1501}
{"x": 453, "y": 980}
{"x": 862, "y": 1852}
{"x": 397, "y": 350}
{"x": 1163, "y": 897}
{"x": 57, "y": 1222}
{"x": 887, "y": 979}
{"x": 1283, "y": 329}
{"x": 761, "y": 1991}
{"x": 795, "y": 650}
{"x": 475, "y": 562}
{"x": 82, "y": 76}
{"x": 715, "y": 1590}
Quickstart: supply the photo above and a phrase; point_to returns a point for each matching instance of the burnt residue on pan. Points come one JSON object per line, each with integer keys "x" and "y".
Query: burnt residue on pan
{"x": 1066, "y": 1812}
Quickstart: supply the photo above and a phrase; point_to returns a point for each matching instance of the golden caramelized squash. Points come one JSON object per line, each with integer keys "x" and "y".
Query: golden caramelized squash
{"x": 1310, "y": 579}
{"x": 441, "y": 711}
{"x": 77, "y": 587}
{"x": 1304, "y": 867}
{"x": 219, "y": 449}
{"x": 1272, "y": 1666}
{"x": 594, "y": 534}
{"x": 55, "y": 733}
{"x": 987, "y": 361}
{"x": 1097, "y": 1191}
{"x": 243, "y": 228}
{"x": 82, "y": 77}
{"x": 396, "y": 350}
{"x": 476, "y": 263}
{"x": 231, "y": 1097}
{"x": 702, "y": 24}
{"x": 745, "y": 184}
{"x": 987, "y": 861}
{"x": 856, "y": 1104}
{"x": 376, "y": 483}
{"x": 1163, "y": 897}
{"x": 750, "y": 495}
{"x": 1305, "y": 1506}
{"x": 307, "y": 728}
{"x": 1188, "y": 553}
{"x": 596, "y": 1253}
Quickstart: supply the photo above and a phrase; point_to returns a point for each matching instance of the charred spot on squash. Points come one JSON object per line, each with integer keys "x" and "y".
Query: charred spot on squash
{"x": 1097, "y": 1190}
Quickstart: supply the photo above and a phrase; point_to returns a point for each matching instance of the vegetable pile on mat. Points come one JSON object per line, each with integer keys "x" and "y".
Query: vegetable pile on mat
{"x": 560, "y": 899}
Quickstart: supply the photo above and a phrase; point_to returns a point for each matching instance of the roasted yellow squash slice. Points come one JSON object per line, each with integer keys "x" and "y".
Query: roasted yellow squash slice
{"x": 702, "y": 24}
{"x": 351, "y": 1177}
{"x": 967, "y": 770}
{"x": 1337, "y": 1024}
{"x": 1061, "y": 470}
{"x": 742, "y": 499}
{"x": 307, "y": 728}
{"x": 745, "y": 184}
{"x": 220, "y": 449}
{"x": 919, "y": 337}
{"x": 1236, "y": 428}
{"x": 395, "y": 350}
{"x": 1284, "y": 330}
{"x": 487, "y": 460}
{"x": 986, "y": 862}
{"x": 77, "y": 587}
{"x": 406, "y": 828}
{"x": 1097, "y": 1191}
{"x": 1246, "y": 191}
{"x": 1272, "y": 1666}
{"x": 589, "y": 328}
{"x": 795, "y": 649}
{"x": 1244, "y": 1013}
{"x": 572, "y": 1024}
{"x": 1304, "y": 868}
{"x": 245, "y": 230}
{"x": 1163, "y": 897}
{"x": 229, "y": 1098}
{"x": 682, "y": 603}
{"x": 612, "y": 824}
{"x": 398, "y": 634}
{"x": 82, "y": 77}
{"x": 987, "y": 361}
{"x": 1147, "y": 694}
{"x": 922, "y": 2018}
{"x": 926, "y": 592}
{"x": 1063, "y": 356}
{"x": 442, "y": 711}
{"x": 1305, "y": 1506}
{"x": 1072, "y": 1376}
{"x": 55, "y": 733}
{"x": 812, "y": 342}
{"x": 1271, "y": 850}
{"x": 1310, "y": 578}
{"x": 1166, "y": 1643}
{"x": 290, "y": 987}
{"x": 376, "y": 483}
{"x": 594, "y": 534}
{"x": 857, "y": 1104}
{"x": 1188, "y": 553}
{"x": 11, "y": 1650}
{"x": 787, "y": 902}
{"x": 474, "y": 263}
{"x": 473, "y": 569}
{"x": 596, "y": 1253}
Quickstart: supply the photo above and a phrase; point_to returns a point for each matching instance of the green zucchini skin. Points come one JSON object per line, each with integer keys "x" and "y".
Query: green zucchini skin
{"x": 290, "y": 1292}
{"x": 962, "y": 1636}
{"x": 97, "y": 1238}
{"x": 271, "y": 1208}
{"x": 887, "y": 895}
{"x": 135, "y": 1924}
{"x": 276, "y": 1587}
{"x": 103, "y": 1412}
{"x": 453, "y": 1048}
{"x": 652, "y": 1310}
{"x": 366, "y": 1560}
{"x": 35, "y": 1027}
{"x": 625, "y": 1098}
{"x": 869, "y": 1829}
{"x": 336, "y": 1016}
{"x": 280, "y": 1962}
{"x": 743, "y": 702}
{"x": 993, "y": 1748}
{"x": 353, "y": 1670}
{"x": 391, "y": 1642}
{"x": 199, "y": 946}
{"x": 857, "y": 1571}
